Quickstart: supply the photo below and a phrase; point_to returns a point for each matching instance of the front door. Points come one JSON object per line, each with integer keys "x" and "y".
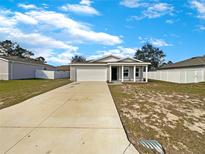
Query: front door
{"x": 114, "y": 73}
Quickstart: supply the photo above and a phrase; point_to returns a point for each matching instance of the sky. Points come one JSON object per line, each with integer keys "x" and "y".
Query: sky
{"x": 60, "y": 29}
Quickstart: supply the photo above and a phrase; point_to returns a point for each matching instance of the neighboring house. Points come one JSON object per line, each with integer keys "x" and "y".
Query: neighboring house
{"x": 63, "y": 68}
{"x": 109, "y": 68}
{"x": 187, "y": 71}
{"x": 20, "y": 68}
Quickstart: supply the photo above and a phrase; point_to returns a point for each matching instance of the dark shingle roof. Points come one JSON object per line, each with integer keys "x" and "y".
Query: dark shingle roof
{"x": 192, "y": 62}
{"x": 25, "y": 60}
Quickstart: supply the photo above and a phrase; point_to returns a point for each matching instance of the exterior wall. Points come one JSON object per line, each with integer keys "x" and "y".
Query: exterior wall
{"x": 4, "y": 70}
{"x": 182, "y": 75}
{"x": 20, "y": 70}
{"x": 131, "y": 75}
{"x": 73, "y": 73}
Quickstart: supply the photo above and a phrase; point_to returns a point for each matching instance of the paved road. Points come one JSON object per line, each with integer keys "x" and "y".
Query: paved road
{"x": 79, "y": 118}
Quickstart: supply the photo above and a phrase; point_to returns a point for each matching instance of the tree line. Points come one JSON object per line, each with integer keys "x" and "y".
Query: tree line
{"x": 9, "y": 48}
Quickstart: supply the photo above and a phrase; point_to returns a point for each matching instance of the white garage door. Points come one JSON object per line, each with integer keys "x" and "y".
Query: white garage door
{"x": 92, "y": 74}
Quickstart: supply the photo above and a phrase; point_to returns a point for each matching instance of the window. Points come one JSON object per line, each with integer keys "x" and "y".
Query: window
{"x": 126, "y": 72}
{"x": 137, "y": 72}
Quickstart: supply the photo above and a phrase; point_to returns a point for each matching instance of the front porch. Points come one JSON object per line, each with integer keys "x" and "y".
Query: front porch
{"x": 126, "y": 73}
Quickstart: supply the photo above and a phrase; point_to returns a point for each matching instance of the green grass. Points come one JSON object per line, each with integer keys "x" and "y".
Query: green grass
{"x": 16, "y": 91}
{"x": 173, "y": 114}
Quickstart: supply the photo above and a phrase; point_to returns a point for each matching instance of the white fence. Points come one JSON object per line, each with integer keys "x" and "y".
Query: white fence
{"x": 61, "y": 74}
{"x": 179, "y": 75}
{"x": 43, "y": 74}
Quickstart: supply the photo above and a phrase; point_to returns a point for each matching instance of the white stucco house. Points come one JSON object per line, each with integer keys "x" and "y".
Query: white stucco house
{"x": 12, "y": 68}
{"x": 110, "y": 68}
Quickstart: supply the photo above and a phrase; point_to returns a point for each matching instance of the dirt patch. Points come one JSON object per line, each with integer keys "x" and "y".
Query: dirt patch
{"x": 170, "y": 113}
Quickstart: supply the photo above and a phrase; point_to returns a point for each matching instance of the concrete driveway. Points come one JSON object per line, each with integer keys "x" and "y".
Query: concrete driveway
{"x": 79, "y": 118}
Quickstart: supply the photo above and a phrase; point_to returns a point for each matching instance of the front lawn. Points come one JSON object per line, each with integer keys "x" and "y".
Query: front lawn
{"x": 16, "y": 91}
{"x": 173, "y": 114}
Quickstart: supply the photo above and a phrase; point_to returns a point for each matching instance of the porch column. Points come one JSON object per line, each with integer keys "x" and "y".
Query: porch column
{"x": 122, "y": 73}
{"x": 146, "y": 75}
{"x": 134, "y": 74}
{"x": 110, "y": 73}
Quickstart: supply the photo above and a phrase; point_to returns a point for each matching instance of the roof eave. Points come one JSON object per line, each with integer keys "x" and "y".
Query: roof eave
{"x": 22, "y": 62}
{"x": 136, "y": 60}
{"x": 181, "y": 67}
{"x": 88, "y": 64}
{"x": 123, "y": 63}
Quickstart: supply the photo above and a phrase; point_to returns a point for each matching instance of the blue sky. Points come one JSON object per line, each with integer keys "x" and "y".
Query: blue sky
{"x": 61, "y": 29}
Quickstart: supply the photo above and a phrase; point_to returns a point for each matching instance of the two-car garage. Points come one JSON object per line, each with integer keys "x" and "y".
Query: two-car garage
{"x": 89, "y": 73}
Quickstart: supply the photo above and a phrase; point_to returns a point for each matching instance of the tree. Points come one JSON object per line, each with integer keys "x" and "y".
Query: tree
{"x": 21, "y": 52}
{"x": 166, "y": 63}
{"x": 10, "y": 48}
{"x": 78, "y": 59}
{"x": 149, "y": 53}
{"x": 41, "y": 59}
{"x": 7, "y": 47}
{"x": 169, "y": 62}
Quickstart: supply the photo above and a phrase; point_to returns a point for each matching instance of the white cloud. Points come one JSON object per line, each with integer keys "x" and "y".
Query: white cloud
{"x": 200, "y": 7}
{"x": 42, "y": 45}
{"x": 169, "y": 21}
{"x": 62, "y": 58}
{"x": 35, "y": 39}
{"x": 20, "y": 17}
{"x": 52, "y": 56}
{"x": 50, "y": 34}
{"x": 119, "y": 51}
{"x": 84, "y": 8}
{"x": 45, "y": 5}
{"x": 27, "y": 6}
{"x": 80, "y": 9}
{"x": 85, "y": 2}
{"x": 154, "y": 10}
{"x": 154, "y": 41}
{"x": 77, "y": 30}
{"x": 158, "y": 10}
{"x": 159, "y": 42}
{"x": 6, "y": 22}
{"x": 200, "y": 27}
{"x": 132, "y": 3}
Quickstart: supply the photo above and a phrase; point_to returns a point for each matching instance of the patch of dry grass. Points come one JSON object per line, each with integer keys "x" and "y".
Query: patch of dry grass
{"x": 173, "y": 114}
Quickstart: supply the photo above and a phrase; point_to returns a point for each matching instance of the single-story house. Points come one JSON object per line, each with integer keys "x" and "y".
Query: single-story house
{"x": 12, "y": 67}
{"x": 109, "y": 68}
{"x": 187, "y": 71}
{"x": 63, "y": 68}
